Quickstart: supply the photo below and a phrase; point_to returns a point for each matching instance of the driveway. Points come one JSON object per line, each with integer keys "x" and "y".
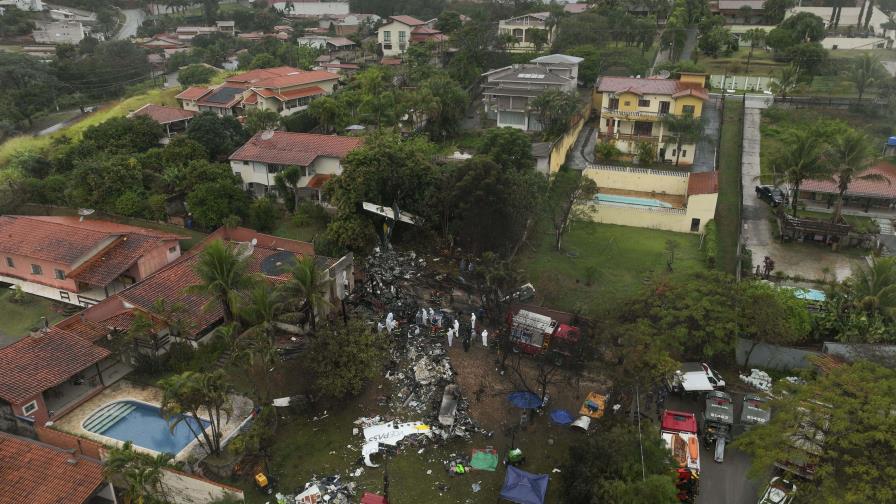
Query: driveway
{"x": 807, "y": 260}
{"x": 726, "y": 482}
{"x": 582, "y": 153}
{"x": 133, "y": 19}
{"x": 705, "y": 157}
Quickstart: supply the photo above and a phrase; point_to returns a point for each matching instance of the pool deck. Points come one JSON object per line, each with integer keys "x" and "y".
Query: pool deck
{"x": 125, "y": 390}
{"x": 675, "y": 200}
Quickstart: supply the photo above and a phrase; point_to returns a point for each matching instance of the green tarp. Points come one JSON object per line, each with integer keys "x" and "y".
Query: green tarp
{"x": 484, "y": 460}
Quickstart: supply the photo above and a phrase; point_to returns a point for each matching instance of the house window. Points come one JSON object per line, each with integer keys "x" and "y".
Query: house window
{"x": 664, "y": 107}
{"x": 613, "y": 104}
{"x": 10, "y": 263}
{"x": 695, "y": 225}
{"x": 29, "y": 408}
{"x": 628, "y": 103}
{"x": 687, "y": 109}
{"x": 643, "y": 103}
{"x": 172, "y": 250}
{"x": 387, "y": 37}
{"x": 684, "y": 153}
{"x": 518, "y": 34}
{"x": 36, "y": 269}
{"x": 60, "y": 275}
{"x": 402, "y": 37}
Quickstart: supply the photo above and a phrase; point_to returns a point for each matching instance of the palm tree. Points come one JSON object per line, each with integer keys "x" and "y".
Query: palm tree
{"x": 686, "y": 129}
{"x": 865, "y": 72}
{"x": 140, "y": 473}
{"x": 873, "y": 287}
{"x": 786, "y": 82}
{"x": 187, "y": 394}
{"x": 222, "y": 273}
{"x": 848, "y": 157}
{"x": 756, "y": 37}
{"x": 800, "y": 161}
{"x": 305, "y": 289}
{"x": 262, "y": 313}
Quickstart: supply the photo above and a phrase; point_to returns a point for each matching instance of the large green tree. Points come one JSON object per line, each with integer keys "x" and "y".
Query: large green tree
{"x": 799, "y": 161}
{"x": 212, "y": 202}
{"x": 344, "y": 357}
{"x": 139, "y": 474}
{"x": 125, "y": 135}
{"x": 223, "y": 273}
{"x": 509, "y": 147}
{"x": 847, "y": 158}
{"x": 772, "y": 315}
{"x": 843, "y": 423}
{"x": 555, "y": 109}
{"x": 219, "y": 135}
{"x": 622, "y": 466}
{"x": 305, "y": 290}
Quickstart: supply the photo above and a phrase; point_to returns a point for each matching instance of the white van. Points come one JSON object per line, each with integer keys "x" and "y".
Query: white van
{"x": 695, "y": 377}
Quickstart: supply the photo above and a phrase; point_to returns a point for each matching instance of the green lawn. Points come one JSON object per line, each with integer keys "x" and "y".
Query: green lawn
{"x": 728, "y": 208}
{"x": 107, "y": 111}
{"x": 17, "y": 319}
{"x": 761, "y": 64}
{"x": 287, "y": 228}
{"x": 621, "y": 260}
{"x": 776, "y": 120}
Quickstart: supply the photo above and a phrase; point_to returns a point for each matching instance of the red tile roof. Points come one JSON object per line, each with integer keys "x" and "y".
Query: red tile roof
{"x": 34, "y": 364}
{"x": 297, "y": 78}
{"x": 284, "y": 148}
{"x": 340, "y": 41}
{"x": 318, "y": 180}
{"x": 162, "y": 115}
{"x": 258, "y": 74}
{"x": 192, "y": 93}
{"x": 649, "y": 86}
{"x": 103, "y": 268}
{"x": 408, "y": 20}
{"x": 575, "y": 8}
{"x": 288, "y": 95}
{"x": 703, "y": 183}
{"x": 35, "y": 473}
{"x": 170, "y": 282}
{"x": 390, "y": 61}
{"x": 62, "y": 240}
{"x": 345, "y": 66}
{"x": 859, "y": 187}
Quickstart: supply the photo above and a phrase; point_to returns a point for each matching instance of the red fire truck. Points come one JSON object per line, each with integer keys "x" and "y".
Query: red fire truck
{"x": 679, "y": 432}
{"x": 534, "y": 330}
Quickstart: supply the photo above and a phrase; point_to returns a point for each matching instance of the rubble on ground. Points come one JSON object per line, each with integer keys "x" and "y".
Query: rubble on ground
{"x": 330, "y": 489}
{"x": 761, "y": 380}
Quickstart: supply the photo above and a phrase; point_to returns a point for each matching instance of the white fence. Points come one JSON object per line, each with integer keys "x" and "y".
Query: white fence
{"x": 642, "y": 171}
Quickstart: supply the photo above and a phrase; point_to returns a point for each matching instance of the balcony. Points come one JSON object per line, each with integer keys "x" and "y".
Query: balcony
{"x": 629, "y": 137}
{"x": 633, "y": 115}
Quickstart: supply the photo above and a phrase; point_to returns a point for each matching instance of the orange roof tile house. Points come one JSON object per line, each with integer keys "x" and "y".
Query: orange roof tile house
{"x": 320, "y": 157}
{"x": 79, "y": 262}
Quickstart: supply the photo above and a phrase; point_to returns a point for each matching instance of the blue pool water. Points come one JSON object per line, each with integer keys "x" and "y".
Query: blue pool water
{"x": 142, "y": 425}
{"x": 632, "y": 200}
{"x": 813, "y": 295}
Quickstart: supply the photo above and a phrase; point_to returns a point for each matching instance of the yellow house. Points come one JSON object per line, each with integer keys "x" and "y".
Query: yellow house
{"x": 633, "y": 111}
{"x": 656, "y": 199}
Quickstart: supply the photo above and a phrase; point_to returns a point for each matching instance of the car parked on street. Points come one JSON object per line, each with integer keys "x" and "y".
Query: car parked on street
{"x": 771, "y": 195}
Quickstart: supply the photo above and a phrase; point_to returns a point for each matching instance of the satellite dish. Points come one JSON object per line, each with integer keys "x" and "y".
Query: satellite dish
{"x": 665, "y": 74}
{"x": 254, "y": 241}
{"x": 267, "y": 134}
{"x": 84, "y": 212}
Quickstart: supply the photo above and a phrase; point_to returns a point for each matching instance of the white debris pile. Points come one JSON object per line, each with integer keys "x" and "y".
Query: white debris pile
{"x": 329, "y": 489}
{"x": 758, "y": 379}
{"x": 390, "y": 434}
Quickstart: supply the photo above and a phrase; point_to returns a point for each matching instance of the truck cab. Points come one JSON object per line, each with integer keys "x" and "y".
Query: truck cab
{"x": 717, "y": 421}
{"x": 755, "y": 411}
{"x": 679, "y": 432}
{"x": 695, "y": 377}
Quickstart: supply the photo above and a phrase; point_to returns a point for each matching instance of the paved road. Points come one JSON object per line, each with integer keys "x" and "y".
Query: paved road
{"x": 705, "y": 157}
{"x": 690, "y": 44}
{"x": 582, "y": 153}
{"x": 726, "y": 482}
{"x": 133, "y": 19}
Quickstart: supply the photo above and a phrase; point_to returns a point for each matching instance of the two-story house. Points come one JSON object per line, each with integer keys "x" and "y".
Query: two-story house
{"x": 399, "y": 32}
{"x": 284, "y": 90}
{"x": 79, "y": 262}
{"x": 507, "y": 92}
{"x": 521, "y": 28}
{"x": 267, "y": 153}
{"x": 633, "y": 110}
{"x": 174, "y": 120}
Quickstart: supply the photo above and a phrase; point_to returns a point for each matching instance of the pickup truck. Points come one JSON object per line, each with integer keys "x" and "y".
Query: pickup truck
{"x": 695, "y": 377}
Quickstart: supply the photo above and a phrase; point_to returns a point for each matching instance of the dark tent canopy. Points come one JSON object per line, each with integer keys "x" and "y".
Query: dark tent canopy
{"x": 524, "y": 400}
{"x": 523, "y": 487}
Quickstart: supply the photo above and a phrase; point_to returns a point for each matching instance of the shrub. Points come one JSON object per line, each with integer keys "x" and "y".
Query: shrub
{"x": 607, "y": 152}
{"x": 263, "y": 215}
{"x": 310, "y": 213}
{"x": 710, "y": 243}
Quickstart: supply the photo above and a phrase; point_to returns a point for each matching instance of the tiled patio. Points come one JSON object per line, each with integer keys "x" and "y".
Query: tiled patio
{"x": 125, "y": 390}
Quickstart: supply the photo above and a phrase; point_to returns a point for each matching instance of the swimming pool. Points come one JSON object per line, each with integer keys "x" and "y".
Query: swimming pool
{"x": 631, "y": 200}
{"x": 143, "y": 425}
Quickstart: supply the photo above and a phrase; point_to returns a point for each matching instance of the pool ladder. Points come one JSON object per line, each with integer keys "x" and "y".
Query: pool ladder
{"x": 106, "y": 418}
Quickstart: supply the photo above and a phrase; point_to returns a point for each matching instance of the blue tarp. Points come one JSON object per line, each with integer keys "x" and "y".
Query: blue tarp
{"x": 524, "y": 400}
{"x": 523, "y": 487}
{"x": 561, "y": 417}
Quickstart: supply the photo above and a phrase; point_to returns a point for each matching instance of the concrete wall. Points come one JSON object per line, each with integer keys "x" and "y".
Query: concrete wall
{"x": 186, "y": 488}
{"x": 773, "y": 356}
{"x": 667, "y": 219}
{"x": 639, "y": 179}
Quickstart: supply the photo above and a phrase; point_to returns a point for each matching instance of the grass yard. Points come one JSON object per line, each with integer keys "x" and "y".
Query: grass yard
{"x": 761, "y": 64}
{"x": 17, "y": 319}
{"x": 776, "y": 120}
{"x": 287, "y": 228}
{"x": 107, "y": 111}
{"x": 619, "y": 259}
{"x": 881, "y": 54}
{"x": 728, "y": 208}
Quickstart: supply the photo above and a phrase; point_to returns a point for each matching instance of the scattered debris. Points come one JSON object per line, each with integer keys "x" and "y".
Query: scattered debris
{"x": 449, "y": 405}
{"x": 758, "y": 379}
{"x": 390, "y": 434}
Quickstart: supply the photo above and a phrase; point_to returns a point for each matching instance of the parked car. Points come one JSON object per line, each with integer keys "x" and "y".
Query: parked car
{"x": 771, "y": 195}
{"x": 779, "y": 491}
{"x": 695, "y": 377}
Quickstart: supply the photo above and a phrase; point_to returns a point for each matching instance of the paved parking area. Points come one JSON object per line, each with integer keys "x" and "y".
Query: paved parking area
{"x": 726, "y": 482}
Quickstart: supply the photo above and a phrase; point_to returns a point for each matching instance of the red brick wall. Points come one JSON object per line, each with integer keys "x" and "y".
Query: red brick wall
{"x": 69, "y": 442}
